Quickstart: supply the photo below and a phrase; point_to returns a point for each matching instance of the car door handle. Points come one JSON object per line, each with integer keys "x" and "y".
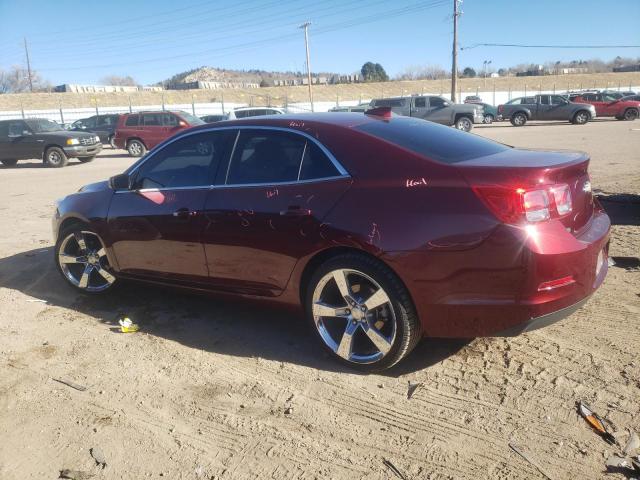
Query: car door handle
{"x": 184, "y": 213}
{"x": 295, "y": 211}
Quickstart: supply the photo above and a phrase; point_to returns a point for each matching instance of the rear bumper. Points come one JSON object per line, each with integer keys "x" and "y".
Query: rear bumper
{"x": 493, "y": 288}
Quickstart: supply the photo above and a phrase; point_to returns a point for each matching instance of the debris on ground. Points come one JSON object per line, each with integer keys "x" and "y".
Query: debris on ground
{"x": 632, "y": 444}
{"x": 288, "y": 410}
{"x": 394, "y": 469}
{"x": 529, "y": 459}
{"x": 75, "y": 474}
{"x": 596, "y": 422}
{"x": 127, "y": 325}
{"x": 71, "y": 384}
{"x": 99, "y": 457}
{"x": 412, "y": 389}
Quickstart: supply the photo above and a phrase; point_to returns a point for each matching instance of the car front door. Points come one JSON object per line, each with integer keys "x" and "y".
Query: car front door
{"x": 439, "y": 111}
{"x": 104, "y": 127}
{"x": 156, "y": 226}
{"x": 267, "y": 210}
{"x": 544, "y": 108}
{"x": 22, "y": 141}
{"x": 595, "y": 99}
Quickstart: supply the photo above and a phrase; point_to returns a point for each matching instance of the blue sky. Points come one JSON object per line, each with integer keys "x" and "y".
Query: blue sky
{"x": 81, "y": 41}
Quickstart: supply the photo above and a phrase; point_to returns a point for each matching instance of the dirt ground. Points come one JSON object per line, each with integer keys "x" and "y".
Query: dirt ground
{"x": 217, "y": 389}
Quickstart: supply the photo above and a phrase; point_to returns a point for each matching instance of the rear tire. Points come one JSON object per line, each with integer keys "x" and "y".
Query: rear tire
{"x": 518, "y": 119}
{"x": 136, "y": 148}
{"x": 55, "y": 157}
{"x": 630, "y": 114}
{"x": 86, "y": 159}
{"x": 390, "y": 320}
{"x": 9, "y": 162}
{"x": 581, "y": 117}
{"x": 464, "y": 123}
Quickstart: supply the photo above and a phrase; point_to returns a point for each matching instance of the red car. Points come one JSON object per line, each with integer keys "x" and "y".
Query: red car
{"x": 139, "y": 132}
{"x": 610, "y": 105}
{"x": 384, "y": 229}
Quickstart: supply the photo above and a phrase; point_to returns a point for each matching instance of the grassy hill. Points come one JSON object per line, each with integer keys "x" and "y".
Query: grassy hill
{"x": 280, "y": 95}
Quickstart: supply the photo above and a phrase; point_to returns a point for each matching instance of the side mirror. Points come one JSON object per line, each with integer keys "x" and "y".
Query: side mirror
{"x": 120, "y": 182}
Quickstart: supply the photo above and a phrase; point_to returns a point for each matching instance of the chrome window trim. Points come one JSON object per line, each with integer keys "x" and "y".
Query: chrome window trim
{"x": 343, "y": 172}
{"x": 240, "y": 185}
{"x": 304, "y": 150}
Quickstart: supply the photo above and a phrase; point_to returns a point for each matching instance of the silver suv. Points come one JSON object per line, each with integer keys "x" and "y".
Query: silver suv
{"x": 435, "y": 109}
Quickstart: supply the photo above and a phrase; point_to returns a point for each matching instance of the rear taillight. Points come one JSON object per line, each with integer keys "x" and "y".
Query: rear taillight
{"x": 520, "y": 205}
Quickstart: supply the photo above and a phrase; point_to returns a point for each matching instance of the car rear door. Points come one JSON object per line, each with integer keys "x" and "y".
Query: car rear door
{"x": 544, "y": 107}
{"x": 153, "y": 130}
{"x": 595, "y": 99}
{"x": 156, "y": 227}
{"x": 419, "y": 107}
{"x": 267, "y": 210}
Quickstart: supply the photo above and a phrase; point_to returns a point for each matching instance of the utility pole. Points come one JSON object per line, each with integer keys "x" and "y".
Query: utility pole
{"x": 305, "y": 26}
{"x": 454, "y": 53}
{"x": 26, "y": 50}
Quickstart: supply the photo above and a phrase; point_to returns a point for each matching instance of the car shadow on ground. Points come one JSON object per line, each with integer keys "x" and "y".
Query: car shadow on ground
{"x": 26, "y": 164}
{"x": 220, "y": 325}
{"x": 622, "y": 208}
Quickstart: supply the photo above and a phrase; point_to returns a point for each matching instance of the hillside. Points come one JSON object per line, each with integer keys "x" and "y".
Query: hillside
{"x": 340, "y": 92}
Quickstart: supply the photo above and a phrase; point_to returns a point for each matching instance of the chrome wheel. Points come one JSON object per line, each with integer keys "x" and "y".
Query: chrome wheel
{"x": 582, "y": 118}
{"x": 135, "y": 148}
{"x": 464, "y": 124}
{"x": 354, "y": 316}
{"x": 519, "y": 120}
{"x": 83, "y": 261}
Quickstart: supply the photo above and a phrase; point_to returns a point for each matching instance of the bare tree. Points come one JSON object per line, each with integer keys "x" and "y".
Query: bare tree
{"x": 422, "y": 72}
{"x": 120, "y": 81}
{"x": 16, "y": 80}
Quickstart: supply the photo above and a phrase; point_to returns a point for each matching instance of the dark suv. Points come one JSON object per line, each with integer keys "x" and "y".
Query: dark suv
{"x": 139, "y": 132}
{"x": 41, "y": 138}
{"x": 102, "y": 125}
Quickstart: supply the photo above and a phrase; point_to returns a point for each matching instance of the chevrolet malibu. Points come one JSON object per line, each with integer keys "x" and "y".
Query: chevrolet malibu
{"x": 384, "y": 229}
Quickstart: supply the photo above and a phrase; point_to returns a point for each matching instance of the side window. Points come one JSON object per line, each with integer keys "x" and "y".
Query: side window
{"x": 436, "y": 102}
{"x": 16, "y": 128}
{"x": 132, "y": 121}
{"x": 271, "y": 112}
{"x": 90, "y": 122}
{"x": 420, "y": 102}
{"x": 544, "y": 99}
{"x": 169, "y": 120}
{"x": 105, "y": 121}
{"x": 389, "y": 102}
{"x": 515, "y": 101}
{"x": 242, "y": 114}
{"x": 529, "y": 100}
{"x": 597, "y": 97}
{"x": 191, "y": 161}
{"x": 558, "y": 100}
{"x": 315, "y": 164}
{"x": 263, "y": 156}
{"x": 152, "y": 119}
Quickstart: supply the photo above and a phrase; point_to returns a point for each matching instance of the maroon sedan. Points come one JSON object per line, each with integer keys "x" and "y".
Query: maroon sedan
{"x": 384, "y": 229}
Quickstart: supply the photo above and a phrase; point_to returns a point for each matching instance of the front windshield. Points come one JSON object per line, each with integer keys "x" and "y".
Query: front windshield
{"x": 191, "y": 119}
{"x": 41, "y": 125}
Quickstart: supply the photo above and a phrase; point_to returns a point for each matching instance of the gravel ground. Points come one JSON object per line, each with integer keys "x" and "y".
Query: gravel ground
{"x": 218, "y": 389}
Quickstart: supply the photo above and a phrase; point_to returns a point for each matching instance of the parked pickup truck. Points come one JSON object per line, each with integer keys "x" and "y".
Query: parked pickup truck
{"x": 545, "y": 107}
{"x": 41, "y": 138}
{"x": 435, "y": 109}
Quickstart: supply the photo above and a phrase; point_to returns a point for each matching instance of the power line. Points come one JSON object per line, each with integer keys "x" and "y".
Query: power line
{"x": 519, "y": 45}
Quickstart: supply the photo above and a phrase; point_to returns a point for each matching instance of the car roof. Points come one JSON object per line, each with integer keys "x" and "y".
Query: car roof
{"x": 255, "y": 108}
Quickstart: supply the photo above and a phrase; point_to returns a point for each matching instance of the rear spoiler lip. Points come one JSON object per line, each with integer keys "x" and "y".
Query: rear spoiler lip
{"x": 527, "y": 158}
{"x": 384, "y": 112}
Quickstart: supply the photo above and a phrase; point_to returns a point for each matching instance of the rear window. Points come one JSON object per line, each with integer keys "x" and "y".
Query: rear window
{"x": 437, "y": 142}
{"x": 132, "y": 121}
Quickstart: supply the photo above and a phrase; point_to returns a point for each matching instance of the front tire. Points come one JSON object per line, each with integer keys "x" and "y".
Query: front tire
{"x": 9, "y": 162}
{"x": 630, "y": 114}
{"x": 82, "y": 261}
{"x": 136, "y": 148}
{"x": 361, "y": 312}
{"x": 55, "y": 157}
{"x": 86, "y": 159}
{"x": 581, "y": 117}
{"x": 464, "y": 123}
{"x": 488, "y": 119}
{"x": 519, "y": 119}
